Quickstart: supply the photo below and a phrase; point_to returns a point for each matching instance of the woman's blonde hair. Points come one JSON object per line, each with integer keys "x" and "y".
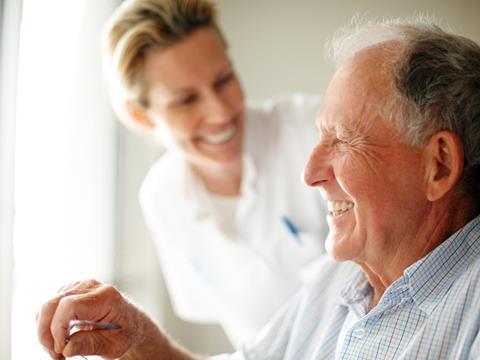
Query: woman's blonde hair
{"x": 137, "y": 26}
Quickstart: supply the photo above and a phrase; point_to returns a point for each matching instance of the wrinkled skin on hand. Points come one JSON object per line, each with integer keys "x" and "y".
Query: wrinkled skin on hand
{"x": 88, "y": 300}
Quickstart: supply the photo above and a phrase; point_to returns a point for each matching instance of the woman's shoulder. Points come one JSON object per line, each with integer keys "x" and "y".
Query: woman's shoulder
{"x": 163, "y": 179}
{"x": 280, "y": 116}
{"x": 278, "y": 123}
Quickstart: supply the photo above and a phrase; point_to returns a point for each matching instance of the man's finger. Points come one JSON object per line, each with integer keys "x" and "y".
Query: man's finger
{"x": 44, "y": 319}
{"x": 96, "y": 342}
{"x": 54, "y": 355}
{"x": 45, "y": 316}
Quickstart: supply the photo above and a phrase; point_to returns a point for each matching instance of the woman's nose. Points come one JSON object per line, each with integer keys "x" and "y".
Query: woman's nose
{"x": 217, "y": 109}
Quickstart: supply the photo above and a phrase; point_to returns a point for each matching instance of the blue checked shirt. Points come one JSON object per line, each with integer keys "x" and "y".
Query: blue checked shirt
{"x": 431, "y": 312}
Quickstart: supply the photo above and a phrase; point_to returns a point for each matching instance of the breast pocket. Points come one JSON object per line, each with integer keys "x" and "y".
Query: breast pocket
{"x": 296, "y": 249}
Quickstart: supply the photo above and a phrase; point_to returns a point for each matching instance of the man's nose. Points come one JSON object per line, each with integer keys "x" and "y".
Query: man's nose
{"x": 318, "y": 169}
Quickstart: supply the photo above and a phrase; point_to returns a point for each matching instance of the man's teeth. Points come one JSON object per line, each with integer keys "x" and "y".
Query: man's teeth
{"x": 339, "y": 207}
{"x": 221, "y": 137}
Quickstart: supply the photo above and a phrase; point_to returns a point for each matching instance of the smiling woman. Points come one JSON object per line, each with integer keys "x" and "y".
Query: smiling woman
{"x": 214, "y": 202}
{"x": 276, "y": 48}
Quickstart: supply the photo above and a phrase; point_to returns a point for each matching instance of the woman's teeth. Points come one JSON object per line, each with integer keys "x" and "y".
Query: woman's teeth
{"x": 220, "y": 137}
{"x": 339, "y": 207}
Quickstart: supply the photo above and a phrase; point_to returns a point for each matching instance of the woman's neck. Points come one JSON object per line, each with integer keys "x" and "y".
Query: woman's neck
{"x": 222, "y": 179}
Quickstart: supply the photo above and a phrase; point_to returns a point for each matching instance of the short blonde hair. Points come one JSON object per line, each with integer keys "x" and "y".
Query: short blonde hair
{"x": 137, "y": 26}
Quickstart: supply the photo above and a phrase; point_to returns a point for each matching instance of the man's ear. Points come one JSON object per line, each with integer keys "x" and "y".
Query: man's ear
{"x": 139, "y": 116}
{"x": 444, "y": 163}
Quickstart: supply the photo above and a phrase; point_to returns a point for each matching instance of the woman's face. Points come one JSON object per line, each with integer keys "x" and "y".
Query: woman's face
{"x": 195, "y": 99}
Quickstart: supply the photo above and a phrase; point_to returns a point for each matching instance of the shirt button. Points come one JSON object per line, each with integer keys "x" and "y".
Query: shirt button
{"x": 359, "y": 333}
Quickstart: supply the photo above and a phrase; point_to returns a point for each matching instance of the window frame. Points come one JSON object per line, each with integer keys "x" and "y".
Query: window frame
{"x": 10, "y": 19}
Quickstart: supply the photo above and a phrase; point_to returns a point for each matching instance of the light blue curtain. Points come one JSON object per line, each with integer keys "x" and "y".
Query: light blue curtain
{"x": 10, "y": 16}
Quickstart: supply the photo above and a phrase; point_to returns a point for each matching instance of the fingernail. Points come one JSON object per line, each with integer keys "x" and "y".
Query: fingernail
{"x": 71, "y": 349}
{"x": 55, "y": 355}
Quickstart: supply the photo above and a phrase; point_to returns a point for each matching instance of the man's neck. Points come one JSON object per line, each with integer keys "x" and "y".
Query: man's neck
{"x": 443, "y": 221}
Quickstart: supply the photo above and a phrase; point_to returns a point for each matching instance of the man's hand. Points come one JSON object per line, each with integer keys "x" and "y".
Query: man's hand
{"x": 90, "y": 300}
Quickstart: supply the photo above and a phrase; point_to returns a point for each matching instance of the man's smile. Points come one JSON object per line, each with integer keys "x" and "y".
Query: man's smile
{"x": 337, "y": 208}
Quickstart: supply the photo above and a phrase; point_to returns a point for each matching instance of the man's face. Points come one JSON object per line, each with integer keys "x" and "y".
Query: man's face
{"x": 373, "y": 182}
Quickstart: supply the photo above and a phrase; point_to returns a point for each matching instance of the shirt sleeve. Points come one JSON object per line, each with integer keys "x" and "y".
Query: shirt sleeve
{"x": 475, "y": 349}
{"x": 272, "y": 341}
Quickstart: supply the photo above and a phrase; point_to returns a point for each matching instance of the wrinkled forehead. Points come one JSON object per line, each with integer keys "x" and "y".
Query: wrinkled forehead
{"x": 359, "y": 91}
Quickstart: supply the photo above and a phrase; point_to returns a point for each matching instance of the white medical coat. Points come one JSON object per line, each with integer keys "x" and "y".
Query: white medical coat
{"x": 241, "y": 281}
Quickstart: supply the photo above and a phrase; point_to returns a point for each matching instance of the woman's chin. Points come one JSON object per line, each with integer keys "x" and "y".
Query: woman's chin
{"x": 221, "y": 153}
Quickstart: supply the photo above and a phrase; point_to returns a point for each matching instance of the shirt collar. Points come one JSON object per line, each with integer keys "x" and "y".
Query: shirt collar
{"x": 357, "y": 287}
{"x": 198, "y": 196}
{"x": 430, "y": 277}
{"x": 357, "y": 293}
{"x": 425, "y": 281}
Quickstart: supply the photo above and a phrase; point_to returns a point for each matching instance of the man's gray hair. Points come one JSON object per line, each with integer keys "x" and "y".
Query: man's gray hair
{"x": 435, "y": 81}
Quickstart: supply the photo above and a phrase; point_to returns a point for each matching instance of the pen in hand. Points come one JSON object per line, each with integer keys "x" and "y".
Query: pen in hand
{"x": 87, "y": 325}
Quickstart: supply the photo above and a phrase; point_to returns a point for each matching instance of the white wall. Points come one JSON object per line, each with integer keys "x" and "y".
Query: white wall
{"x": 277, "y": 47}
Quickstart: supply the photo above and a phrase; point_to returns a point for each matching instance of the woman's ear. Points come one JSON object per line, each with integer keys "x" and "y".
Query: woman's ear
{"x": 139, "y": 116}
{"x": 444, "y": 163}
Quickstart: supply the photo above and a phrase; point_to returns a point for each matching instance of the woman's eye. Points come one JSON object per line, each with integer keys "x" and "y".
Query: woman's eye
{"x": 187, "y": 100}
{"x": 223, "y": 80}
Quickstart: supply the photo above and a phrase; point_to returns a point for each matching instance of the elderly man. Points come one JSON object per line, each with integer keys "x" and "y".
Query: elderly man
{"x": 398, "y": 161}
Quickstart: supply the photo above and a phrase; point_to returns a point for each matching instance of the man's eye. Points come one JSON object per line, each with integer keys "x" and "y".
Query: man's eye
{"x": 340, "y": 142}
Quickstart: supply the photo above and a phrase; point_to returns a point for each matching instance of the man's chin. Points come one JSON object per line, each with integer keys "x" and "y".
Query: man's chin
{"x": 338, "y": 250}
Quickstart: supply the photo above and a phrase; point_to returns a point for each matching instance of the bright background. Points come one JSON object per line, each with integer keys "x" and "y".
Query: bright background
{"x": 77, "y": 171}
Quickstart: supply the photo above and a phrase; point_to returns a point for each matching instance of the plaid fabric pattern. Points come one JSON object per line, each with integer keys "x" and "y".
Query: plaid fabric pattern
{"x": 431, "y": 312}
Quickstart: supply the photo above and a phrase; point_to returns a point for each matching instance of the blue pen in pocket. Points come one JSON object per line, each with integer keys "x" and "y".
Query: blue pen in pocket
{"x": 292, "y": 229}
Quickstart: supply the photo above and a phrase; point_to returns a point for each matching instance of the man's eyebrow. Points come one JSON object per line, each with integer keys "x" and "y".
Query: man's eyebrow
{"x": 328, "y": 129}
